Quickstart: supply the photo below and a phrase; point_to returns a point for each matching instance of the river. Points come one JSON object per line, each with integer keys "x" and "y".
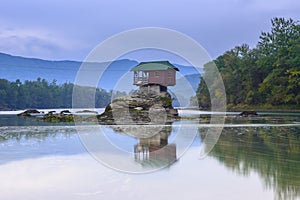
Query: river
{"x": 254, "y": 158}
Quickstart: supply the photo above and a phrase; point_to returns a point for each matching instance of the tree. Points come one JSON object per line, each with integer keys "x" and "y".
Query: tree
{"x": 267, "y": 74}
{"x": 280, "y": 56}
{"x": 42, "y": 94}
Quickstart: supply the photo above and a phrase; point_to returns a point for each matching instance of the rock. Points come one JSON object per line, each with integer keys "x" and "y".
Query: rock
{"x": 28, "y": 113}
{"x": 51, "y": 112}
{"x": 50, "y": 117}
{"x": 173, "y": 112}
{"x": 87, "y": 111}
{"x": 65, "y": 112}
{"x": 248, "y": 113}
{"x": 140, "y": 108}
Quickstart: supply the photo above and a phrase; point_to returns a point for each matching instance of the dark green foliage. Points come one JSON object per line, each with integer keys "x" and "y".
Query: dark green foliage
{"x": 167, "y": 102}
{"x": 42, "y": 94}
{"x": 266, "y": 75}
{"x": 203, "y": 96}
{"x": 58, "y": 118}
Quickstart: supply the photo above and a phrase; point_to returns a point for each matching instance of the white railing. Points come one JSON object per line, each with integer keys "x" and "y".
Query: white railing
{"x": 141, "y": 80}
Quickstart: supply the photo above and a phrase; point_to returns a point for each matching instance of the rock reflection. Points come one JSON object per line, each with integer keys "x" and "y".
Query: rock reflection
{"x": 272, "y": 152}
{"x": 39, "y": 133}
{"x": 153, "y": 148}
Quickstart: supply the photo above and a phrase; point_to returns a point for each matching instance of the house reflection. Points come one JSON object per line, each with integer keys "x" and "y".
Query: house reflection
{"x": 155, "y": 150}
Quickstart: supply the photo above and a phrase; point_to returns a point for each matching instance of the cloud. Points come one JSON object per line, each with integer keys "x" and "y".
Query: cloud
{"x": 76, "y": 28}
{"x": 28, "y": 42}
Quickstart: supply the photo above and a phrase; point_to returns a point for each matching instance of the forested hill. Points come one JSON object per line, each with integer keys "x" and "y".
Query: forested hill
{"x": 20, "y": 77}
{"x": 16, "y": 67}
{"x": 42, "y": 94}
{"x": 267, "y": 76}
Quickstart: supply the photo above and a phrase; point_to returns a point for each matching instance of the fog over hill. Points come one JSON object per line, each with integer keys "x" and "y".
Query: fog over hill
{"x": 117, "y": 75}
{"x": 16, "y": 67}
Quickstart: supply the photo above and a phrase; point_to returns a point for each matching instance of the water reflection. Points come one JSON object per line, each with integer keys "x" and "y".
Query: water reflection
{"x": 155, "y": 150}
{"x": 23, "y": 142}
{"x": 272, "y": 152}
{"x": 148, "y": 145}
{"x": 152, "y": 149}
{"x": 40, "y": 133}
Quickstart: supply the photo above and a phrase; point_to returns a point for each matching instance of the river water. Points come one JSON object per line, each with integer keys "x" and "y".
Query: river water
{"x": 254, "y": 158}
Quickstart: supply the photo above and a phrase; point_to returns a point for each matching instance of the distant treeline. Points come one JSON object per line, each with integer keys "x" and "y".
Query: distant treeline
{"x": 42, "y": 94}
{"x": 265, "y": 76}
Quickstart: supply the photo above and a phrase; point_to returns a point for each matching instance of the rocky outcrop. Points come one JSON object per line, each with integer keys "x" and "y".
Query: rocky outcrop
{"x": 28, "y": 113}
{"x": 248, "y": 113}
{"x": 86, "y": 112}
{"x": 62, "y": 117}
{"x": 140, "y": 108}
{"x": 65, "y": 112}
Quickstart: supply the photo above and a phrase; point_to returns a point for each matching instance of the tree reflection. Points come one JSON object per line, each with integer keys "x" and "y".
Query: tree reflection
{"x": 38, "y": 133}
{"x": 272, "y": 152}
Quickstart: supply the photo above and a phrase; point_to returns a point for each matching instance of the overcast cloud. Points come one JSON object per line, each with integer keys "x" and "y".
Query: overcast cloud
{"x": 53, "y": 29}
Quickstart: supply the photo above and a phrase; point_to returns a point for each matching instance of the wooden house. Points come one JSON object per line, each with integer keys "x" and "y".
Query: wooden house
{"x": 154, "y": 76}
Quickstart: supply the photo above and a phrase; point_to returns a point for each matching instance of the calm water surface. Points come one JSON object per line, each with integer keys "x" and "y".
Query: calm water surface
{"x": 254, "y": 158}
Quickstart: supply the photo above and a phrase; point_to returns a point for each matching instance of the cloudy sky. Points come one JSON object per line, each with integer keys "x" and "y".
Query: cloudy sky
{"x": 55, "y": 29}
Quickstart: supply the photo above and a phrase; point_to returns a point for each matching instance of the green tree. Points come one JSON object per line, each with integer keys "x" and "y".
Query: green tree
{"x": 42, "y": 94}
{"x": 265, "y": 75}
{"x": 279, "y": 57}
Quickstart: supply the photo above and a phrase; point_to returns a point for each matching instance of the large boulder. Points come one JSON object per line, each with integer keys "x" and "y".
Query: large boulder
{"x": 28, "y": 113}
{"x": 140, "y": 108}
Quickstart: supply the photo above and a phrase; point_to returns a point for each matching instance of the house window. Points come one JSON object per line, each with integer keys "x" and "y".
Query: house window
{"x": 156, "y": 73}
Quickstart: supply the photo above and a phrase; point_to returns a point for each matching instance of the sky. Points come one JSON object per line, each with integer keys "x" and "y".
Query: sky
{"x": 69, "y": 30}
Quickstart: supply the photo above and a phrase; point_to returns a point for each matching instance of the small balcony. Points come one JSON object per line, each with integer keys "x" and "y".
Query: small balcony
{"x": 140, "y": 80}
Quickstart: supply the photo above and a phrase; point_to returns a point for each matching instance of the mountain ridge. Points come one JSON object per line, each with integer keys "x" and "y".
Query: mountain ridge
{"x": 23, "y": 68}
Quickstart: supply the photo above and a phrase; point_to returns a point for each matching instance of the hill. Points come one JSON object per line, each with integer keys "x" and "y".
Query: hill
{"x": 16, "y": 67}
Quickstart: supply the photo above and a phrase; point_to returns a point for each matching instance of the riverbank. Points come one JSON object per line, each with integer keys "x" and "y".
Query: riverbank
{"x": 257, "y": 108}
{"x": 263, "y": 108}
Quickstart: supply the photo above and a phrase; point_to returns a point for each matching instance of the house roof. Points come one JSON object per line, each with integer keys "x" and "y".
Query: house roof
{"x": 154, "y": 65}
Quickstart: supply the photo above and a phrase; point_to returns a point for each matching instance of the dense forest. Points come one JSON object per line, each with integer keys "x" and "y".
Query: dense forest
{"x": 42, "y": 94}
{"x": 267, "y": 76}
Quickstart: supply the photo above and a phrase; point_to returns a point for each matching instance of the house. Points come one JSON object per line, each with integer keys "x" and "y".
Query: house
{"x": 154, "y": 76}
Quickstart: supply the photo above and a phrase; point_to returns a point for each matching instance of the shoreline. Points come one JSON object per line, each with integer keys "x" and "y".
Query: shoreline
{"x": 247, "y": 109}
{"x": 234, "y": 111}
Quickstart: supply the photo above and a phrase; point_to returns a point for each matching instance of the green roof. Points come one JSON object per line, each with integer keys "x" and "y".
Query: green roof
{"x": 154, "y": 65}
